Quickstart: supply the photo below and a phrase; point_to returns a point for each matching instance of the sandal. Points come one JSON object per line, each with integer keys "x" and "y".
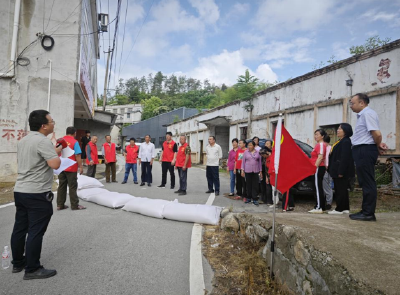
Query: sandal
{"x": 62, "y": 208}
{"x": 80, "y": 207}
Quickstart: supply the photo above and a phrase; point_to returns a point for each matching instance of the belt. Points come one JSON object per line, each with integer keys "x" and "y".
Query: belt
{"x": 361, "y": 145}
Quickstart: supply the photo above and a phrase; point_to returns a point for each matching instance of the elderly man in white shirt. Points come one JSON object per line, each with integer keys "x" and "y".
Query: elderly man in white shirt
{"x": 147, "y": 153}
{"x": 214, "y": 154}
{"x": 367, "y": 145}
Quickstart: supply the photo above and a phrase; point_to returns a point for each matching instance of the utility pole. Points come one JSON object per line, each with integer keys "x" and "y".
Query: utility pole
{"x": 105, "y": 80}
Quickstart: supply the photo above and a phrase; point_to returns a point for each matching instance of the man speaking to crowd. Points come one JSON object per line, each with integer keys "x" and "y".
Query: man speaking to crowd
{"x": 37, "y": 158}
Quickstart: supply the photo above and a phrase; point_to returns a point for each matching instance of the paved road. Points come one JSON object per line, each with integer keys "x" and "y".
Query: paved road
{"x": 106, "y": 251}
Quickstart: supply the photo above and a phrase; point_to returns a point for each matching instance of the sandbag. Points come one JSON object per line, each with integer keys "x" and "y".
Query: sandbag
{"x": 204, "y": 214}
{"x": 85, "y": 194}
{"x": 85, "y": 182}
{"x": 148, "y": 207}
{"x": 111, "y": 199}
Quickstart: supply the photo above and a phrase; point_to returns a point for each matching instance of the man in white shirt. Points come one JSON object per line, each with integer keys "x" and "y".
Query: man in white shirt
{"x": 147, "y": 153}
{"x": 214, "y": 154}
{"x": 367, "y": 145}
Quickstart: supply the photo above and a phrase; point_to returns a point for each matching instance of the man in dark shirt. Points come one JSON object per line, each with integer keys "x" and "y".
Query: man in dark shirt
{"x": 85, "y": 140}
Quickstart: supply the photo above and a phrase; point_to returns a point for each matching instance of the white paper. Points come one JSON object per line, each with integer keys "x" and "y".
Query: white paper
{"x": 65, "y": 163}
{"x": 67, "y": 152}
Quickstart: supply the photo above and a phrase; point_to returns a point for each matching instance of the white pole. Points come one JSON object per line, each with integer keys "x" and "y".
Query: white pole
{"x": 277, "y": 144}
{"x": 48, "y": 92}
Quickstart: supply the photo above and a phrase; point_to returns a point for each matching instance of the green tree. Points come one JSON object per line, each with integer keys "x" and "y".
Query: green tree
{"x": 246, "y": 86}
{"x": 371, "y": 43}
{"x": 149, "y": 106}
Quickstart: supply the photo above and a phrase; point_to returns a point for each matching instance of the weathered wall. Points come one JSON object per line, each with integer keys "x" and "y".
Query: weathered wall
{"x": 318, "y": 101}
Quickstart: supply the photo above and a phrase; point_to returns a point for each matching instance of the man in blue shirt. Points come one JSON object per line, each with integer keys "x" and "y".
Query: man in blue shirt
{"x": 367, "y": 145}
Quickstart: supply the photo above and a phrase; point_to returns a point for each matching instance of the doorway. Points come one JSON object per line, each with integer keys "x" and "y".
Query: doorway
{"x": 201, "y": 151}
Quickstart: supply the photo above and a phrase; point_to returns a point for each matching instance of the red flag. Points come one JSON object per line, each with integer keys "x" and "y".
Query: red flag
{"x": 294, "y": 165}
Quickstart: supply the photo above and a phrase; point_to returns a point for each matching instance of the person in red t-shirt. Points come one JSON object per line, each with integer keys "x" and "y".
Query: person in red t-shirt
{"x": 167, "y": 160}
{"x": 131, "y": 154}
{"x": 240, "y": 181}
{"x": 318, "y": 158}
{"x": 183, "y": 163}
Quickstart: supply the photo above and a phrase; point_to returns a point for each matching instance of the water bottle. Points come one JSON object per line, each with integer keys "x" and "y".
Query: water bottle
{"x": 5, "y": 258}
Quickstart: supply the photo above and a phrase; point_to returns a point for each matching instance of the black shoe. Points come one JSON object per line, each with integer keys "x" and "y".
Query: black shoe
{"x": 217, "y": 193}
{"x": 107, "y": 181}
{"x": 363, "y": 217}
{"x": 41, "y": 273}
{"x": 161, "y": 185}
{"x": 135, "y": 182}
{"x": 356, "y": 214}
{"x": 182, "y": 193}
{"x": 328, "y": 207}
{"x": 149, "y": 184}
{"x": 17, "y": 269}
{"x": 172, "y": 187}
{"x": 115, "y": 181}
{"x": 123, "y": 182}
{"x": 209, "y": 192}
{"x": 142, "y": 184}
{"x": 178, "y": 191}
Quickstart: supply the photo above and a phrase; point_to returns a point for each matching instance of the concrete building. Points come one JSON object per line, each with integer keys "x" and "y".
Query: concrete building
{"x": 156, "y": 126}
{"x": 48, "y": 60}
{"x": 126, "y": 114}
{"x": 318, "y": 99}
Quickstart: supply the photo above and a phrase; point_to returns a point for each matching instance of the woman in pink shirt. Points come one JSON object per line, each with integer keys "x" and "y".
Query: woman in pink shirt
{"x": 252, "y": 170}
{"x": 318, "y": 158}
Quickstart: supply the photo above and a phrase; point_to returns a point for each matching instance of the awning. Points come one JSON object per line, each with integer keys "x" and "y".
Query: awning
{"x": 217, "y": 121}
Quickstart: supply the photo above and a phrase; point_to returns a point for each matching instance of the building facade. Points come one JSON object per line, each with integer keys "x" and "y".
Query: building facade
{"x": 315, "y": 100}
{"x": 156, "y": 127}
{"x": 126, "y": 114}
{"x": 48, "y": 61}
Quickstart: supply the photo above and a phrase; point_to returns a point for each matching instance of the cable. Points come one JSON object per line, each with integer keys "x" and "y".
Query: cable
{"x": 59, "y": 25}
{"x": 134, "y": 41}
{"x": 48, "y": 21}
{"x": 83, "y": 34}
{"x": 47, "y": 47}
{"x": 114, "y": 39}
{"x": 123, "y": 40}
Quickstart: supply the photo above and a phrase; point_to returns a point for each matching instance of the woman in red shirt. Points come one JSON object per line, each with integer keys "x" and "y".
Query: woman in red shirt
{"x": 317, "y": 157}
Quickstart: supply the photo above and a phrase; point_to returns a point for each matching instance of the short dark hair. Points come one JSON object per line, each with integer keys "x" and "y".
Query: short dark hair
{"x": 327, "y": 139}
{"x": 107, "y": 135}
{"x": 235, "y": 139}
{"x": 132, "y": 138}
{"x": 242, "y": 141}
{"x": 269, "y": 140}
{"x": 87, "y": 131}
{"x": 37, "y": 119}
{"x": 168, "y": 133}
{"x": 347, "y": 129}
{"x": 212, "y": 136}
{"x": 256, "y": 137}
{"x": 147, "y": 135}
{"x": 70, "y": 130}
{"x": 322, "y": 132}
{"x": 363, "y": 97}
{"x": 252, "y": 142}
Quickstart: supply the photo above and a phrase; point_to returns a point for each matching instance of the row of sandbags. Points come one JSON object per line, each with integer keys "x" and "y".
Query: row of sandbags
{"x": 91, "y": 190}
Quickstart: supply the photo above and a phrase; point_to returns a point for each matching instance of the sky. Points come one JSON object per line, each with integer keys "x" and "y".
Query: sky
{"x": 219, "y": 39}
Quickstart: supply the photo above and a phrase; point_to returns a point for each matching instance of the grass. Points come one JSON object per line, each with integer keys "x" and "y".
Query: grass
{"x": 385, "y": 202}
{"x": 6, "y": 192}
{"x": 238, "y": 266}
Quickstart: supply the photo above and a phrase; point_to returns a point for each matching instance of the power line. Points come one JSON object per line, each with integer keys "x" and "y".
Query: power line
{"x": 123, "y": 40}
{"x": 114, "y": 39}
{"x": 134, "y": 42}
{"x": 48, "y": 21}
{"x": 68, "y": 17}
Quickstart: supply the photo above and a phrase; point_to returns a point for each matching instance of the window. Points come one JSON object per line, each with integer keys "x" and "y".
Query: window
{"x": 129, "y": 110}
{"x": 331, "y": 131}
{"x": 243, "y": 133}
{"x": 128, "y": 115}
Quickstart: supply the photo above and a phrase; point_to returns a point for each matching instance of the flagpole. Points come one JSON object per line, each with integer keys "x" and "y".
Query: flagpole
{"x": 277, "y": 144}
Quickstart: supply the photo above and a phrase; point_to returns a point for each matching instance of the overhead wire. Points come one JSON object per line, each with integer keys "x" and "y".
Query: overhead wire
{"x": 114, "y": 39}
{"x": 123, "y": 40}
{"x": 134, "y": 41}
{"x": 48, "y": 21}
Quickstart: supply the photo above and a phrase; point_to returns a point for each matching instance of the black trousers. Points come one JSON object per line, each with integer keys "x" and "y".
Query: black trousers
{"x": 252, "y": 180}
{"x": 182, "y": 178}
{"x": 287, "y": 201}
{"x": 319, "y": 189}
{"x": 241, "y": 184}
{"x": 165, "y": 167}
{"x": 32, "y": 217}
{"x": 266, "y": 191}
{"x": 212, "y": 174}
{"x": 365, "y": 157}
{"x": 91, "y": 170}
{"x": 341, "y": 193}
{"x": 146, "y": 172}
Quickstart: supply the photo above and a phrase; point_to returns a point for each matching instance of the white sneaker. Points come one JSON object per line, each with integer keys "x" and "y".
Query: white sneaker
{"x": 346, "y": 211}
{"x": 316, "y": 211}
{"x": 335, "y": 212}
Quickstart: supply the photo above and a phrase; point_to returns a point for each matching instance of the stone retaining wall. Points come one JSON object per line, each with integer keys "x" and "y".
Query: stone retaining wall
{"x": 297, "y": 263}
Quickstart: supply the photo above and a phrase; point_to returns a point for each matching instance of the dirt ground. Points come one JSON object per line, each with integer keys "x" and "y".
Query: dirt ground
{"x": 237, "y": 264}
